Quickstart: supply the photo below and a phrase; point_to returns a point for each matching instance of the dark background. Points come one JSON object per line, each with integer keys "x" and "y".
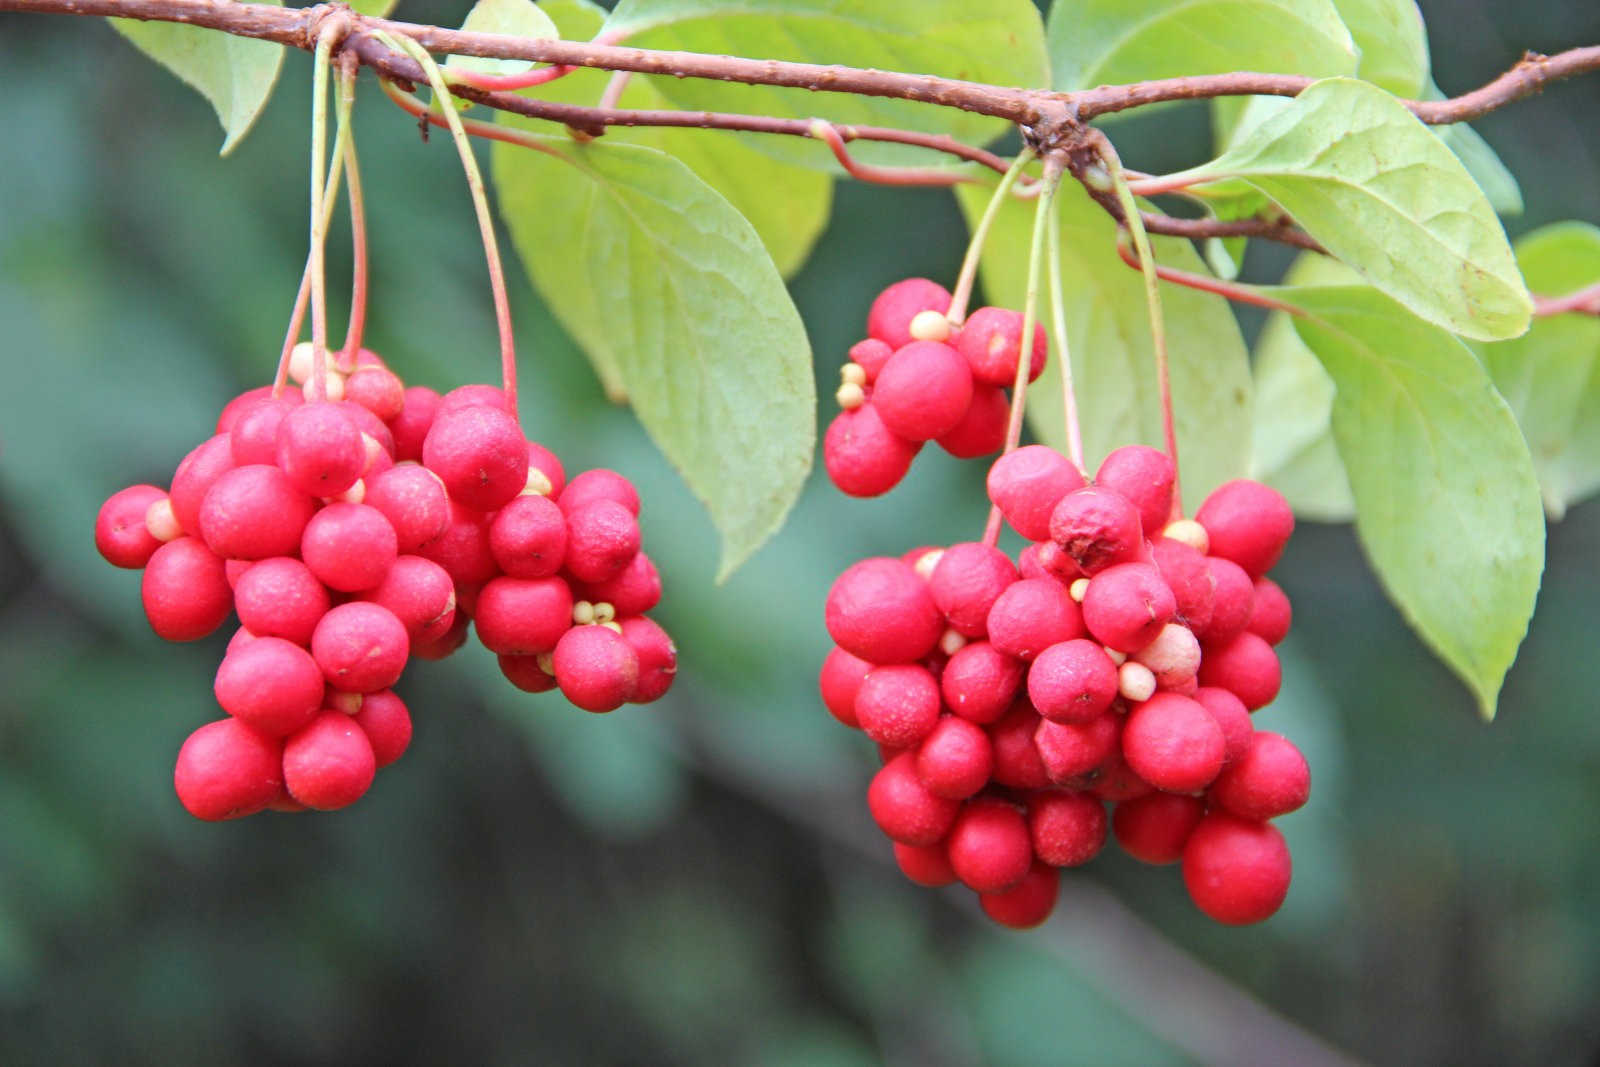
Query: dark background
{"x": 697, "y": 881}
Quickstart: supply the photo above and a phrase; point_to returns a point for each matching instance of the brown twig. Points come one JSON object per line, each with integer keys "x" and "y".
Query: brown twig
{"x": 1237, "y": 292}
{"x": 1281, "y": 231}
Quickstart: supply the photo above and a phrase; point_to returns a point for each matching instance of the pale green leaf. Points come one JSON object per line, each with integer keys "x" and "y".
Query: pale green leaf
{"x": 1446, "y": 497}
{"x": 236, "y": 74}
{"x": 1364, "y": 177}
{"x": 375, "y": 8}
{"x": 788, "y": 205}
{"x": 1551, "y": 375}
{"x": 1109, "y": 337}
{"x": 1499, "y": 185}
{"x": 1112, "y": 42}
{"x": 1392, "y": 42}
{"x": 518, "y": 18}
{"x": 658, "y": 278}
{"x": 999, "y": 42}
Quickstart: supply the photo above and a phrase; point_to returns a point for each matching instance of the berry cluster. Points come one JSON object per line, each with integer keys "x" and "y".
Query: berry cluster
{"x": 1011, "y": 701}
{"x": 918, "y": 378}
{"x": 353, "y": 532}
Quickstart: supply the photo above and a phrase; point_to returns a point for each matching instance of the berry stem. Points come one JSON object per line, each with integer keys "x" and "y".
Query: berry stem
{"x": 616, "y": 85}
{"x": 980, "y": 234}
{"x": 1158, "y": 324}
{"x": 1585, "y": 301}
{"x": 480, "y": 204}
{"x": 302, "y": 296}
{"x": 358, "y": 218}
{"x": 1042, "y": 216}
{"x": 489, "y": 131}
{"x": 828, "y": 133}
{"x": 319, "y": 223}
{"x": 1058, "y": 323}
{"x": 1238, "y": 292}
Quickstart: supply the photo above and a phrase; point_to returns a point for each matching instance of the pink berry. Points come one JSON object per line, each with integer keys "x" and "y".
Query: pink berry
{"x": 658, "y": 658}
{"x": 1073, "y": 681}
{"x": 870, "y": 355}
{"x": 386, "y": 721}
{"x": 1233, "y": 596}
{"x": 881, "y": 610}
{"x": 226, "y": 770}
{"x": 1270, "y": 613}
{"x": 1026, "y": 904}
{"x": 898, "y": 705}
{"x": 1045, "y": 559}
{"x": 528, "y": 537}
{"x": 420, "y": 594}
{"x": 273, "y": 685}
{"x": 1145, "y": 476}
{"x": 598, "y": 484}
{"x": 1232, "y": 716}
{"x": 903, "y": 807}
{"x": 1098, "y": 528}
{"x": 633, "y": 591}
{"x": 527, "y": 673}
{"x": 989, "y": 846}
{"x": 373, "y": 427}
{"x": 280, "y": 597}
{"x": 1270, "y": 779}
{"x": 1068, "y": 829}
{"x": 185, "y": 590}
{"x": 1246, "y": 666}
{"x": 254, "y": 512}
{"x": 360, "y": 647}
{"x": 889, "y": 319}
{"x": 1236, "y": 871}
{"x": 474, "y": 394}
{"x": 982, "y": 430}
{"x": 463, "y": 549}
{"x": 1115, "y": 781}
{"x": 233, "y": 409}
{"x": 1031, "y": 615}
{"x": 1187, "y": 575}
{"x": 966, "y": 582}
{"x": 1069, "y": 750}
{"x": 1017, "y": 761}
{"x": 547, "y": 463}
{"x": 1154, "y": 828}
{"x": 840, "y": 681}
{"x": 377, "y": 389}
{"x": 1027, "y": 483}
{"x": 862, "y": 457}
{"x": 991, "y": 342}
{"x": 1173, "y": 743}
{"x": 410, "y": 427}
{"x": 253, "y": 438}
{"x": 321, "y": 449}
{"x": 1247, "y": 522}
{"x": 955, "y": 759}
{"x": 979, "y": 682}
{"x": 923, "y": 391}
{"x": 480, "y": 455}
{"x": 414, "y": 501}
{"x": 1173, "y": 657}
{"x": 441, "y": 647}
{"x": 523, "y": 616}
{"x": 602, "y": 539}
{"x": 349, "y": 547}
{"x": 194, "y": 477}
{"x": 329, "y": 764}
{"x": 120, "y": 533}
{"x": 926, "y": 865}
{"x": 595, "y": 667}
{"x": 1126, "y": 606}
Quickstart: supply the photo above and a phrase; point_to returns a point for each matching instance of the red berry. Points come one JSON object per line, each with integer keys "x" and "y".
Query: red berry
{"x": 414, "y": 501}
{"x": 870, "y": 355}
{"x": 360, "y": 647}
{"x": 254, "y": 512}
{"x": 1026, "y": 904}
{"x": 1246, "y": 667}
{"x": 194, "y": 477}
{"x": 1270, "y": 613}
{"x": 226, "y": 770}
{"x": 421, "y": 595}
{"x": 1073, "y": 681}
{"x": 1115, "y": 781}
{"x": 386, "y": 721}
{"x": 377, "y": 389}
{"x": 1068, "y": 829}
{"x": 1126, "y": 606}
{"x": 527, "y": 673}
{"x": 862, "y": 457}
{"x": 349, "y": 547}
{"x": 329, "y": 764}
{"x": 253, "y": 437}
{"x": 441, "y": 647}
{"x": 1190, "y": 579}
{"x": 1069, "y": 750}
{"x": 1231, "y": 715}
{"x": 923, "y": 391}
{"x": 1017, "y": 760}
{"x": 119, "y": 530}
{"x": 598, "y": 484}
{"x": 1173, "y": 743}
{"x": 373, "y": 427}
{"x": 1145, "y": 476}
{"x": 633, "y": 591}
{"x": 1269, "y": 780}
{"x": 924, "y": 864}
{"x": 547, "y": 463}
{"x": 903, "y": 807}
{"x": 321, "y": 449}
{"x": 271, "y": 684}
{"x": 480, "y": 455}
{"x": 410, "y": 427}
{"x": 1236, "y": 871}
{"x": 235, "y": 408}
{"x": 595, "y": 667}
{"x": 955, "y": 759}
{"x": 991, "y": 342}
{"x": 185, "y": 590}
{"x": 966, "y": 582}
{"x": 898, "y": 705}
{"x": 1173, "y": 657}
{"x": 1031, "y": 615}
{"x": 1154, "y": 828}
{"x": 523, "y": 616}
{"x": 1098, "y": 528}
{"x": 1247, "y": 522}
{"x": 881, "y": 610}
{"x": 602, "y": 539}
{"x": 528, "y": 537}
{"x": 982, "y": 430}
{"x": 889, "y": 319}
{"x": 1232, "y": 599}
{"x": 280, "y": 597}
{"x": 989, "y": 846}
{"x": 1027, "y": 483}
{"x": 840, "y": 681}
{"x": 463, "y": 549}
{"x": 658, "y": 658}
{"x": 980, "y": 681}
{"x": 475, "y": 394}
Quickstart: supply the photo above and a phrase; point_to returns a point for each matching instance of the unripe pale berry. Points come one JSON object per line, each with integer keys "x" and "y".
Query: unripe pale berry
{"x": 479, "y": 453}
{"x": 349, "y": 547}
{"x": 658, "y": 658}
{"x": 320, "y": 449}
{"x": 1173, "y": 743}
{"x": 1247, "y": 522}
{"x": 598, "y": 484}
{"x": 1232, "y": 716}
{"x": 1031, "y": 615}
{"x": 966, "y": 582}
{"x": 989, "y": 846}
{"x": 633, "y": 591}
{"x": 1173, "y": 657}
{"x": 898, "y": 705}
{"x": 1145, "y": 476}
{"x": 1070, "y": 750}
{"x": 1135, "y": 682}
{"x": 880, "y": 610}
{"x": 602, "y": 539}
{"x": 929, "y": 326}
{"x": 1270, "y": 779}
{"x": 410, "y": 427}
{"x": 595, "y": 667}
{"x": 955, "y": 759}
{"x": 991, "y": 340}
{"x": 862, "y": 457}
{"x": 1026, "y": 904}
{"x": 1073, "y": 681}
{"x": 923, "y": 391}
{"x": 1246, "y": 666}
{"x": 979, "y": 682}
{"x": 523, "y": 616}
{"x": 1190, "y": 533}
{"x": 271, "y": 684}
{"x": 1270, "y": 613}
{"x": 1126, "y": 606}
{"x": 185, "y": 590}
{"x": 850, "y": 396}
{"x": 903, "y": 807}
{"x": 420, "y": 594}
{"x": 226, "y": 770}
{"x": 1017, "y": 760}
{"x": 120, "y": 533}
{"x": 414, "y": 501}
{"x": 1154, "y": 828}
{"x": 329, "y": 764}
{"x": 870, "y": 355}
{"x": 1236, "y": 871}
{"x": 161, "y": 522}
{"x": 926, "y": 865}
{"x": 332, "y": 391}
{"x": 1098, "y": 528}
{"x": 1027, "y": 483}
{"x": 361, "y": 647}
{"x": 982, "y": 430}
{"x": 194, "y": 477}
{"x": 1068, "y": 829}
{"x": 889, "y": 319}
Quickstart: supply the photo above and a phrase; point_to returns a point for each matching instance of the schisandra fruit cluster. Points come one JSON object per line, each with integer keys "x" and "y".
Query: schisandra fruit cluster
{"x": 353, "y": 532}
{"x": 916, "y": 378}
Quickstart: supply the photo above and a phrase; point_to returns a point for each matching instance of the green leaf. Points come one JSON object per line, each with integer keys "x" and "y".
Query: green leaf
{"x": 236, "y": 74}
{"x": 1109, "y": 337}
{"x": 1499, "y": 185}
{"x": 1392, "y": 42}
{"x": 1364, "y": 177}
{"x": 787, "y": 205}
{"x": 1551, "y": 374}
{"x": 1446, "y": 497}
{"x": 667, "y": 287}
{"x": 1000, "y": 42}
{"x": 376, "y": 8}
{"x": 519, "y": 18}
{"x": 1112, "y": 42}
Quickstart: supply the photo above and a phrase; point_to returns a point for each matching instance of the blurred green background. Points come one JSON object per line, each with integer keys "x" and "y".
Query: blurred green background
{"x": 696, "y": 881}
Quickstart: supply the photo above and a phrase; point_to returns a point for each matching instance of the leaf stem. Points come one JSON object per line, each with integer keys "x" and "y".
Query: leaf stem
{"x": 1238, "y": 292}
{"x": 962, "y": 295}
{"x": 828, "y": 133}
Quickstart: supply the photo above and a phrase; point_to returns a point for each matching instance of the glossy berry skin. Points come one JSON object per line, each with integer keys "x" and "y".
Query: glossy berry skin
{"x": 870, "y": 355}
{"x": 903, "y": 807}
{"x": 349, "y": 547}
{"x": 1236, "y": 871}
{"x": 1067, "y": 829}
{"x": 480, "y": 455}
{"x": 982, "y": 430}
{"x": 253, "y": 437}
{"x": 414, "y": 501}
{"x": 280, "y": 597}
{"x": 523, "y": 616}
{"x": 898, "y": 705}
{"x": 185, "y": 590}
{"x": 598, "y": 484}
{"x": 955, "y": 759}
{"x": 1248, "y": 523}
{"x": 1270, "y": 779}
{"x": 1232, "y": 716}
{"x": 361, "y": 648}
{"x": 194, "y": 477}
{"x": 1126, "y": 606}
{"x": 226, "y": 770}
{"x": 602, "y": 539}
{"x": 1154, "y": 828}
{"x": 1030, "y": 616}
{"x": 234, "y": 409}
{"x": 926, "y": 865}
{"x": 410, "y": 427}
{"x": 840, "y": 681}
{"x": 377, "y": 389}
{"x": 270, "y": 684}
{"x": 1246, "y": 666}
{"x": 421, "y": 595}
{"x": 1270, "y": 613}
{"x": 1073, "y": 681}
{"x": 1027, "y": 483}
{"x": 863, "y": 458}
{"x": 889, "y": 319}
{"x": 991, "y": 340}
{"x": 329, "y": 764}
{"x": 120, "y": 534}
{"x": 386, "y": 721}
{"x": 595, "y": 667}
{"x": 1145, "y": 476}
{"x": 471, "y": 395}
{"x": 1070, "y": 750}
{"x": 979, "y": 682}
{"x": 525, "y": 672}
{"x": 658, "y": 658}
{"x": 966, "y": 582}
{"x": 1026, "y": 904}
{"x": 321, "y": 450}
{"x": 254, "y": 512}
{"x": 633, "y": 591}
{"x": 989, "y": 846}
{"x": 1172, "y": 742}
{"x": 923, "y": 391}
{"x": 881, "y": 610}
{"x": 528, "y": 537}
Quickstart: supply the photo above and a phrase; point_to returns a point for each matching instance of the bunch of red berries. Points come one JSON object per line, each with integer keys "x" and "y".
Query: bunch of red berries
{"x": 354, "y": 531}
{"x": 918, "y": 378}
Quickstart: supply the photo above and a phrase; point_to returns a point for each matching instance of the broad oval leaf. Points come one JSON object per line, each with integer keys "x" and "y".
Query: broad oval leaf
{"x": 1108, "y": 328}
{"x": 1446, "y": 497}
{"x": 1364, "y": 177}
{"x": 1113, "y": 42}
{"x": 1551, "y": 375}
{"x": 1392, "y": 42}
{"x": 999, "y": 42}
{"x": 519, "y": 18}
{"x": 1499, "y": 185}
{"x": 236, "y": 74}
{"x": 662, "y": 281}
